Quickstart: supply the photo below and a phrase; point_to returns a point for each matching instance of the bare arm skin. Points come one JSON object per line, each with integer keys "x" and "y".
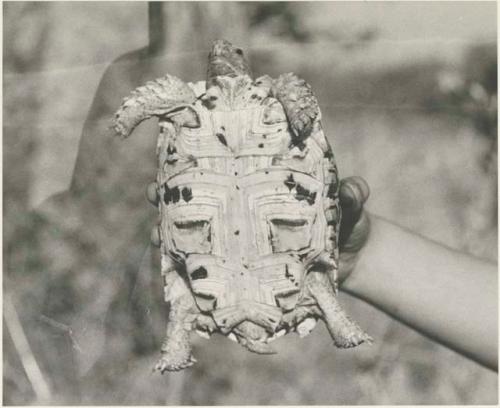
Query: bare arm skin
{"x": 446, "y": 295}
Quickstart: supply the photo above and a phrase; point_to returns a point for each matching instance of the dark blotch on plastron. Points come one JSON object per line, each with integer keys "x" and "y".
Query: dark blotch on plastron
{"x": 261, "y": 145}
{"x": 328, "y": 154}
{"x": 237, "y": 232}
{"x": 187, "y": 194}
{"x": 175, "y": 194}
{"x": 167, "y": 196}
{"x": 200, "y": 273}
{"x": 299, "y": 144}
{"x": 311, "y": 199}
{"x": 303, "y": 193}
{"x": 221, "y": 138}
{"x": 290, "y": 182}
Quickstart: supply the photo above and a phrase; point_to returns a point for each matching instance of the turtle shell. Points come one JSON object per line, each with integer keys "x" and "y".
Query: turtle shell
{"x": 246, "y": 212}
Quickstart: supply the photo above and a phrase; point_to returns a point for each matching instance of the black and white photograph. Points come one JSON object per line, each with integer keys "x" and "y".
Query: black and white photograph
{"x": 250, "y": 203}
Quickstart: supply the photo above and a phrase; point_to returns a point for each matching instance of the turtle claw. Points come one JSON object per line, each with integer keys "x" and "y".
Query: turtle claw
{"x": 173, "y": 363}
{"x": 349, "y": 335}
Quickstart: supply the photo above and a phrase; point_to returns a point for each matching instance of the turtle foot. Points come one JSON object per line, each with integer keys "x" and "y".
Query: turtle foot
{"x": 171, "y": 362}
{"x": 348, "y": 334}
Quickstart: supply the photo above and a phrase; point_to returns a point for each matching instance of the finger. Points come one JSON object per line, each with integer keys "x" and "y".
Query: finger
{"x": 152, "y": 194}
{"x": 155, "y": 236}
{"x": 354, "y": 191}
{"x": 358, "y": 235}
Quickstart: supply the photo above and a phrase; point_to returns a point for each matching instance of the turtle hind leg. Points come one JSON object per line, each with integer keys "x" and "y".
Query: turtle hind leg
{"x": 175, "y": 356}
{"x": 176, "y": 349}
{"x": 343, "y": 330}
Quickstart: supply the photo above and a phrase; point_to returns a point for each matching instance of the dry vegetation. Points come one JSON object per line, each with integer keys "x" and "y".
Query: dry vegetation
{"x": 87, "y": 290}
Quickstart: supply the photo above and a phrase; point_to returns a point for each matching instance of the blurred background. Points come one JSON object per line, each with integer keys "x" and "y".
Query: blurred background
{"x": 408, "y": 93}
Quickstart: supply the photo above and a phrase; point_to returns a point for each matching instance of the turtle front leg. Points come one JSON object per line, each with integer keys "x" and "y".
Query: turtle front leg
{"x": 300, "y": 104}
{"x": 176, "y": 349}
{"x": 344, "y": 332}
{"x": 167, "y": 96}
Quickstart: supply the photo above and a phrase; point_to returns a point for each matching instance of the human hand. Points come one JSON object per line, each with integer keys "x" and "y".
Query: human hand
{"x": 354, "y": 227}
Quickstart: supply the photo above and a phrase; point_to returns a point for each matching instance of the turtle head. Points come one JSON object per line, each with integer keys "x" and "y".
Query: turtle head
{"x": 225, "y": 59}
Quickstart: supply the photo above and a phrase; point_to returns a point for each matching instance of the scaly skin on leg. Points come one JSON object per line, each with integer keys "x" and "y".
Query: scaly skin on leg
{"x": 345, "y": 333}
{"x": 176, "y": 349}
{"x": 156, "y": 98}
{"x": 300, "y": 104}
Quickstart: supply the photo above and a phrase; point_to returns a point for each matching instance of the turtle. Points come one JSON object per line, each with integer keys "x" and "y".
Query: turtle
{"x": 234, "y": 148}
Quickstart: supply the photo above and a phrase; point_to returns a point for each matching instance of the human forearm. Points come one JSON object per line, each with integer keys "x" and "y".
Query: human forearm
{"x": 449, "y": 296}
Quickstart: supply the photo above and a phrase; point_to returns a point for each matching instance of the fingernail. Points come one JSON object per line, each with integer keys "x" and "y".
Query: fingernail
{"x": 362, "y": 187}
